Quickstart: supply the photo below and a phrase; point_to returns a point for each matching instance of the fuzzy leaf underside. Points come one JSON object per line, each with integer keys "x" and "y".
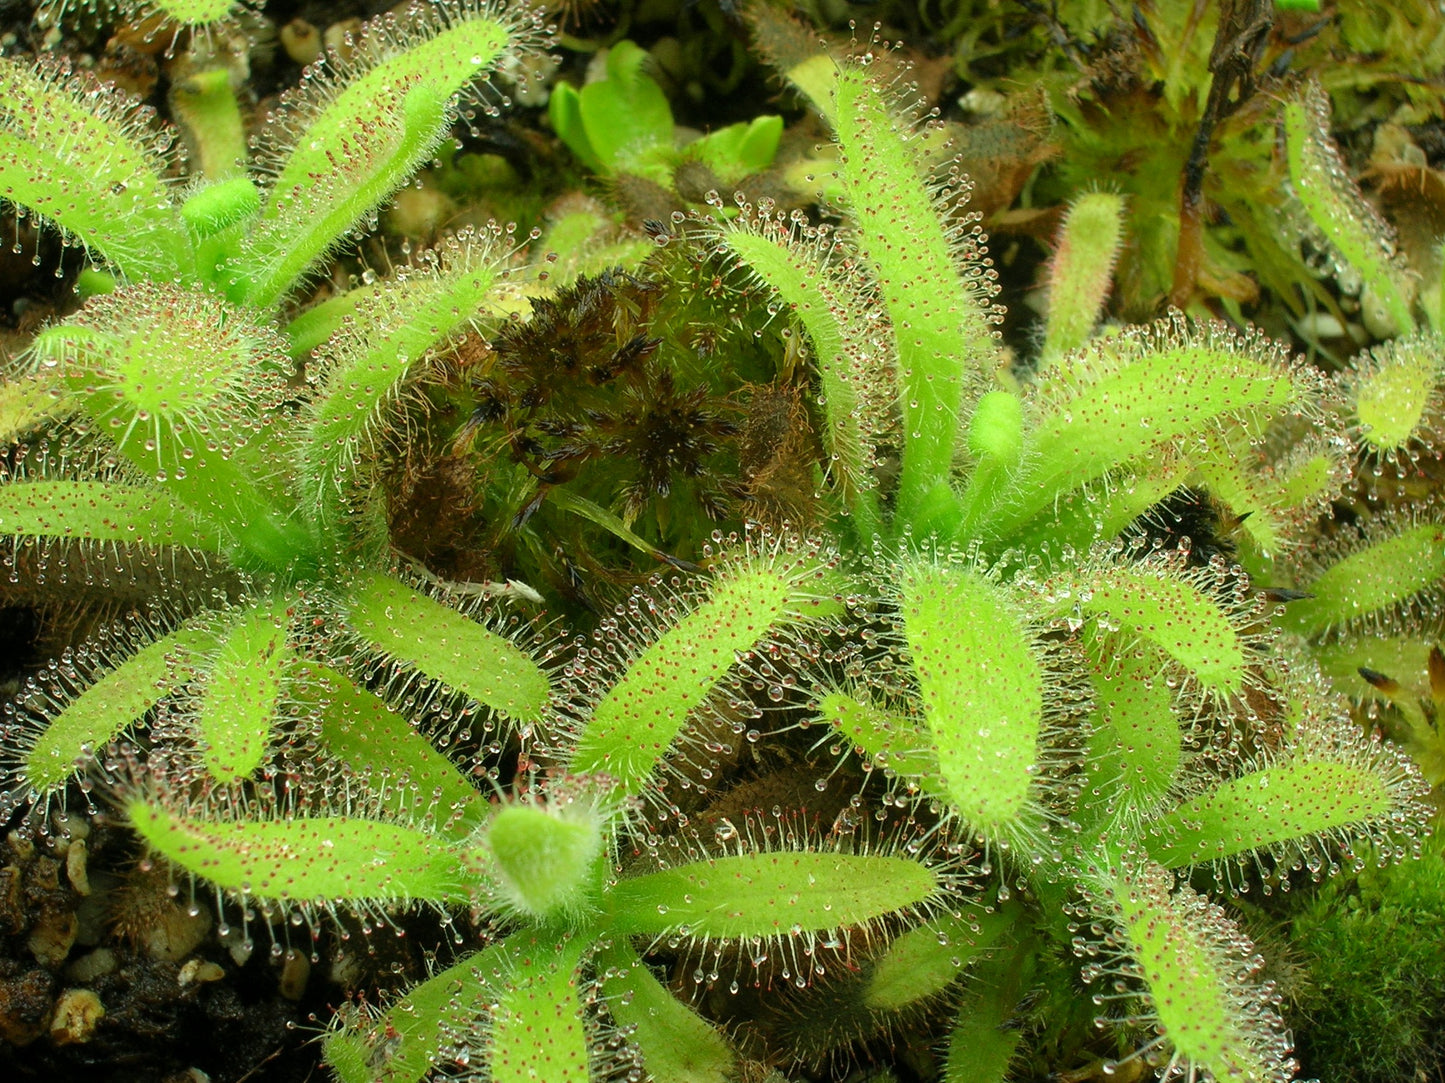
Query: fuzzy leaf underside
{"x": 677, "y": 1044}
{"x": 392, "y": 618}
{"x": 102, "y": 511}
{"x": 99, "y": 714}
{"x": 770, "y": 894}
{"x": 1263, "y": 808}
{"x": 377, "y": 744}
{"x": 305, "y": 859}
{"x": 982, "y": 689}
{"x": 1081, "y": 271}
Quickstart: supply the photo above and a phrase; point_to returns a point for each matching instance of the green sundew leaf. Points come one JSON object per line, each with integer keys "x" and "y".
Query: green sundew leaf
{"x": 1160, "y": 605}
{"x": 770, "y": 894}
{"x": 1393, "y": 390}
{"x": 102, "y": 511}
{"x": 923, "y": 962}
{"x": 391, "y": 617}
{"x": 1137, "y": 743}
{"x": 371, "y": 355}
{"x": 362, "y": 134}
{"x": 1322, "y": 184}
{"x": 941, "y": 321}
{"x": 641, "y": 715}
{"x": 889, "y": 740}
{"x": 83, "y": 156}
{"x": 301, "y": 859}
{"x": 1297, "y": 800}
{"x": 1383, "y": 574}
{"x": 1082, "y": 271}
{"x": 984, "y": 1037}
{"x": 196, "y": 12}
{"x": 1167, "y": 385}
{"x": 376, "y": 743}
{"x": 442, "y": 1020}
{"x": 840, "y": 336}
{"x": 626, "y": 115}
{"x": 242, "y": 692}
{"x": 28, "y": 402}
{"x": 982, "y": 690}
{"x": 319, "y": 322}
{"x": 99, "y": 714}
{"x": 1082, "y": 518}
{"x": 537, "y": 1030}
{"x": 677, "y": 1044}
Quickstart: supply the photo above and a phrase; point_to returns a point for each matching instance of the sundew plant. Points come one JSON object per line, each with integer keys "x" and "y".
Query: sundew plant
{"x": 1082, "y": 715}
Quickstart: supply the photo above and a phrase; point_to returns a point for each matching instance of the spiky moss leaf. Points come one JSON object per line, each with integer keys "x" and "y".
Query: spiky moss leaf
{"x": 1389, "y": 572}
{"x": 921, "y": 963}
{"x": 770, "y": 894}
{"x": 1081, "y": 271}
{"x": 98, "y": 715}
{"x": 377, "y": 744}
{"x": 386, "y": 337}
{"x": 537, "y": 1030}
{"x": 795, "y": 265}
{"x": 1145, "y": 394}
{"x": 102, "y": 511}
{"x": 242, "y": 691}
{"x": 676, "y": 1043}
{"x": 1199, "y": 972}
{"x": 392, "y": 618}
{"x": 27, "y": 402}
{"x": 1136, "y": 744}
{"x": 302, "y": 859}
{"x": 899, "y": 744}
{"x": 88, "y": 158}
{"x": 357, "y": 130}
{"x": 1396, "y": 393}
{"x": 635, "y": 723}
{"x": 1361, "y": 240}
{"x": 933, "y": 282}
{"x": 983, "y": 691}
{"x": 543, "y": 858}
{"x": 1160, "y": 602}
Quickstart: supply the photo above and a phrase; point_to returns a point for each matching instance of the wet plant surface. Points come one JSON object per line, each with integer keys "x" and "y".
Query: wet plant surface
{"x": 964, "y": 607}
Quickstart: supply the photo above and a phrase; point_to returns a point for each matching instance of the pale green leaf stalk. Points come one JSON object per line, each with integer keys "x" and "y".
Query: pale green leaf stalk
{"x": 244, "y": 685}
{"x": 204, "y": 103}
{"x": 396, "y": 621}
{"x": 1362, "y": 242}
{"x": 87, "y": 159}
{"x": 1081, "y": 272}
{"x": 750, "y": 599}
{"x": 983, "y": 693}
{"x": 361, "y": 127}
